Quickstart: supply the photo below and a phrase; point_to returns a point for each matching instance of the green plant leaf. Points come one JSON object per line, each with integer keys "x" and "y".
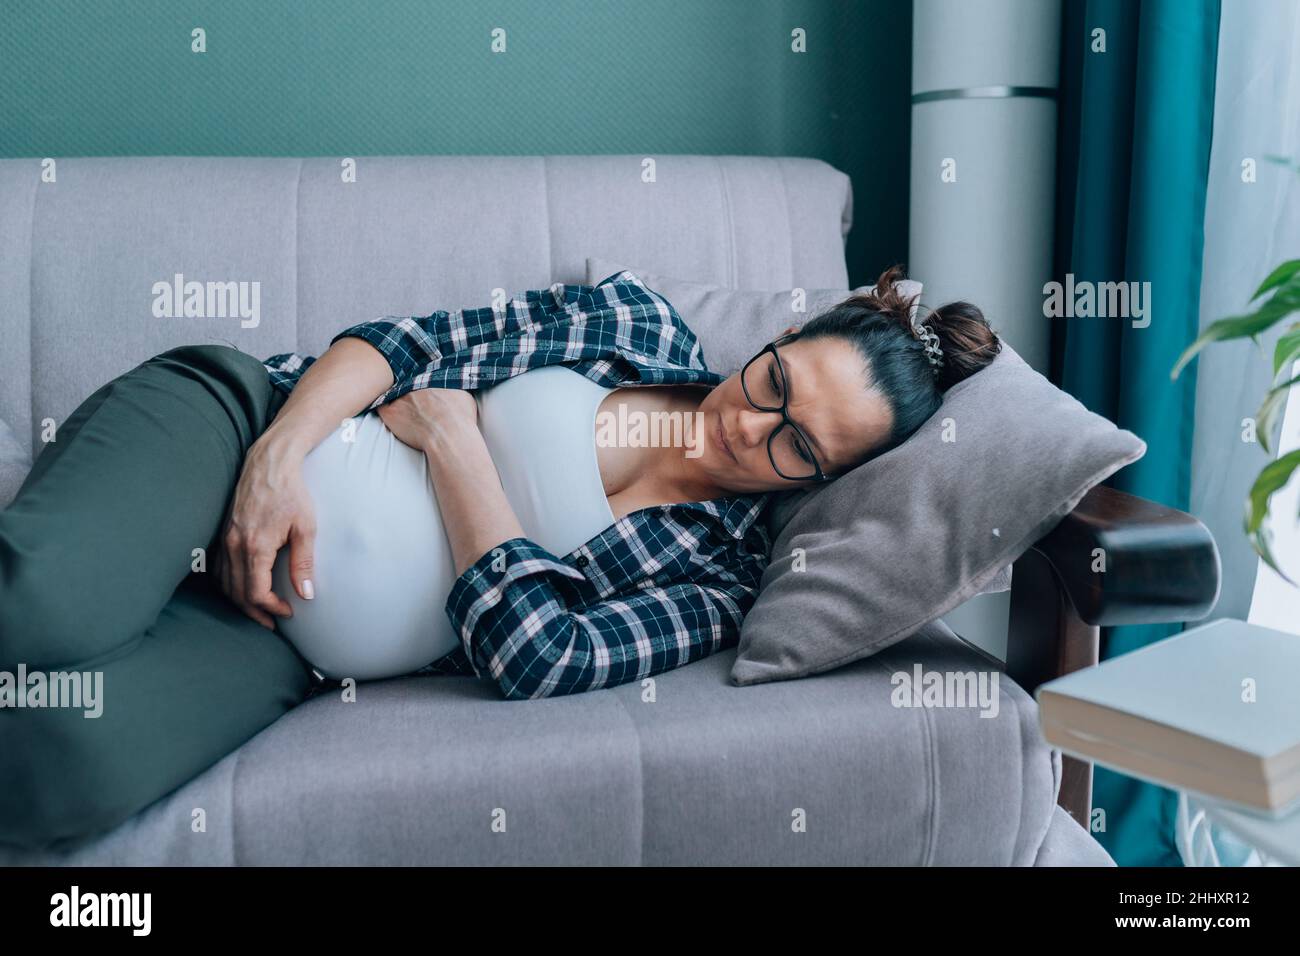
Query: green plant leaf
{"x": 1273, "y": 478}
{"x": 1284, "y": 301}
{"x": 1275, "y": 278}
{"x": 1260, "y": 542}
{"x": 1233, "y": 327}
{"x": 1286, "y": 351}
{"x": 1286, "y": 297}
{"x": 1286, "y": 161}
{"x": 1266, "y": 417}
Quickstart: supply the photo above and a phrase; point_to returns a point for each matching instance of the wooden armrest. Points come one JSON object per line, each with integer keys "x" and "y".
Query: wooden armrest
{"x": 1161, "y": 565}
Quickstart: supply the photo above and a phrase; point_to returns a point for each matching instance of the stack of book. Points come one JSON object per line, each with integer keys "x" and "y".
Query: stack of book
{"x": 1215, "y": 710}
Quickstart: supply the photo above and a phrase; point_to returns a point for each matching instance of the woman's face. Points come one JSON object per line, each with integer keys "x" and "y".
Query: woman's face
{"x": 828, "y": 388}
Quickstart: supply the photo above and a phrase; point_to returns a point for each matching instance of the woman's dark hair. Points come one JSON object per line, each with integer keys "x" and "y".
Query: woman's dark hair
{"x": 878, "y": 324}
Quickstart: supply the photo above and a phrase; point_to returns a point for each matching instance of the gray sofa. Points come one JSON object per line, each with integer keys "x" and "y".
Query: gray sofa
{"x": 419, "y": 769}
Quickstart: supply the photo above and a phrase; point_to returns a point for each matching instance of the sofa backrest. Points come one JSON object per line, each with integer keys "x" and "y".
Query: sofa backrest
{"x": 80, "y": 255}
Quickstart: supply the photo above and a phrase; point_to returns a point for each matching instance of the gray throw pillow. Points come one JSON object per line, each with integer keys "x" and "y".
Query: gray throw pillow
{"x": 867, "y": 560}
{"x": 733, "y": 324}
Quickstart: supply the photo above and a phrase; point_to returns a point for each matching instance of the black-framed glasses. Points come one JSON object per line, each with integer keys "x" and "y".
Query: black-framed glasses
{"x": 763, "y": 382}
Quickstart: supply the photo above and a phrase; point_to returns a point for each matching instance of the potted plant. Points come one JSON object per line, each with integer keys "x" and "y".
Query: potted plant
{"x": 1278, "y": 298}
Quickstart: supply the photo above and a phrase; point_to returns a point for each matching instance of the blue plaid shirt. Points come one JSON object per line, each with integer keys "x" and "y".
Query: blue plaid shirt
{"x": 662, "y": 586}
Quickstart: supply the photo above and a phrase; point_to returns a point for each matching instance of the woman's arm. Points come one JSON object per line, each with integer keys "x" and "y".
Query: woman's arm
{"x": 271, "y": 505}
{"x": 339, "y": 384}
{"x": 530, "y": 622}
{"x": 443, "y": 423}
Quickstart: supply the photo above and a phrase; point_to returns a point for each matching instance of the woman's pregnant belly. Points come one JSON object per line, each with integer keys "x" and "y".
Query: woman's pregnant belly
{"x": 383, "y": 565}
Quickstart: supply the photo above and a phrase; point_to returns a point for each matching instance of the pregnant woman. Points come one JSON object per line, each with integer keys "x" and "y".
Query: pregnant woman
{"x": 431, "y": 493}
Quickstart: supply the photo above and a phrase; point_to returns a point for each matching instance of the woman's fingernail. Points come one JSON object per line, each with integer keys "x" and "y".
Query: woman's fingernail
{"x": 308, "y": 591}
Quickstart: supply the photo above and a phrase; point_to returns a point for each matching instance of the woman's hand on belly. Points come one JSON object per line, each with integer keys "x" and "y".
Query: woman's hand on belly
{"x": 430, "y": 417}
{"x": 271, "y": 506}
{"x": 271, "y": 503}
{"x": 443, "y": 423}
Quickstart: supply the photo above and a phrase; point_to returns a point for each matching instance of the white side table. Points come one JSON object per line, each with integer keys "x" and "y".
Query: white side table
{"x": 1214, "y": 834}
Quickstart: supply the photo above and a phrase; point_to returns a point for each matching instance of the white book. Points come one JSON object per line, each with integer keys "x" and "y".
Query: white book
{"x": 1215, "y": 710}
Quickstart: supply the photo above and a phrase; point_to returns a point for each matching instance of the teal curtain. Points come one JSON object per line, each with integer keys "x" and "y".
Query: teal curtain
{"x": 1134, "y": 148}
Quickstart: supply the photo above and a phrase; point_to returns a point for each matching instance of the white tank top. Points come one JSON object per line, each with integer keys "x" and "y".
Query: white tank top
{"x": 383, "y": 565}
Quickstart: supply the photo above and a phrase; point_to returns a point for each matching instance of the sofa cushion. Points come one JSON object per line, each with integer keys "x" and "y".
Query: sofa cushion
{"x": 864, "y": 561}
{"x": 685, "y": 771}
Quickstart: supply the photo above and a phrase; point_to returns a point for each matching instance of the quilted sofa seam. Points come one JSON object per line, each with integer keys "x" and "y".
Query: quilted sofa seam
{"x": 1025, "y": 717}
{"x": 885, "y": 663}
{"x": 297, "y": 258}
{"x": 728, "y": 222}
{"x": 640, "y": 778}
{"x": 31, "y": 324}
{"x": 1026, "y": 726}
{"x": 550, "y": 231}
{"x": 234, "y": 783}
{"x": 789, "y": 244}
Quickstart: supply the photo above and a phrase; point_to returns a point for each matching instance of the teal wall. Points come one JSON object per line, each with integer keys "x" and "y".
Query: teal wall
{"x": 329, "y": 77}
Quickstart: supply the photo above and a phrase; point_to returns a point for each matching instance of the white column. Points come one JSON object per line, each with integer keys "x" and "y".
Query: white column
{"x": 984, "y": 78}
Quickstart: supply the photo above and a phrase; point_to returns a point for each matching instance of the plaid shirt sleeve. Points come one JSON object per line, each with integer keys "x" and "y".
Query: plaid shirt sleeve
{"x": 613, "y": 331}
{"x": 526, "y": 622}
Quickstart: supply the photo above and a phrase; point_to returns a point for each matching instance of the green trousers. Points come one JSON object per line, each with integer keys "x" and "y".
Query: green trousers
{"x": 96, "y": 577}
